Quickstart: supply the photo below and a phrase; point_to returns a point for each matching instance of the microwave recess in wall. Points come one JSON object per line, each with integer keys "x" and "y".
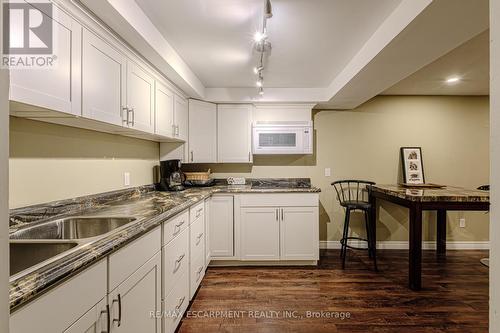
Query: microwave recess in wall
{"x": 282, "y": 137}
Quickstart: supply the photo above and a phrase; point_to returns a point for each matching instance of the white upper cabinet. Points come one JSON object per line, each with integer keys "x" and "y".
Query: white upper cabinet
{"x": 140, "y": 98}
{"x": 234, "y": 142}
{"x": 202, "y": 132}
{"x": 103, "y": 81}
{"x": 181, "y": 117}
{"x": 164, "y": 111}
{"x": 57, "y": 88}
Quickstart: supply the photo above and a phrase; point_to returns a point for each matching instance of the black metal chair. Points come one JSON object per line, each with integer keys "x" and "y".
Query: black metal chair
{"x": 354, "y": 195}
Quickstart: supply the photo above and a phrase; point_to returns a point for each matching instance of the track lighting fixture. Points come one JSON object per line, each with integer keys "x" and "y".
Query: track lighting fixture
{"x": 262, "y": 45}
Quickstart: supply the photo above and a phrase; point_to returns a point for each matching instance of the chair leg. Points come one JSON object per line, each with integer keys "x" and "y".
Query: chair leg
{"x": 346, "y": 234}
{"x": 372, "y": 245}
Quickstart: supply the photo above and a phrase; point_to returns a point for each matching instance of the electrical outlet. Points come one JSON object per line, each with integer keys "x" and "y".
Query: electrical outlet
{"x": 126, "y": 178}
{"x": 328, "y": 172}
{"x": 462, "y": 223}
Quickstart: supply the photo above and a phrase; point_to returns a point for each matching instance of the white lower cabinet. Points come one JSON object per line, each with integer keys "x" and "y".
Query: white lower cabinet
{"x": 259, "y": 233}
{"x": 93, "y": 321}
{"x": 276, "y": 227}
{"x": 221, "y": 226}
{"x": 74, "y": 306}
{"x": 299, "y": 233}
{"x": 175, "y": 304}
{"x": 208, "y": 209}
{"x": 134, "y": 303}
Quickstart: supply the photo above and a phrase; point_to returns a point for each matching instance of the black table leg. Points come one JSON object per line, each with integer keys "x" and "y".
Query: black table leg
{"x": 373, "y": 220}
{"x": 415, "y": 255}
{"x": 441, "y": 232}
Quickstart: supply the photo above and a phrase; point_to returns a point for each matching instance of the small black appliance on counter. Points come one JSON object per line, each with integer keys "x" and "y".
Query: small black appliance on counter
{"x": 171, "y": 176}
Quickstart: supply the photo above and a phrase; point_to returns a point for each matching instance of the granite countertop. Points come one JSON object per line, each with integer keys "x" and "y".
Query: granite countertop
{"x": 447, "y": 193}
{"x": 150, "y": 207}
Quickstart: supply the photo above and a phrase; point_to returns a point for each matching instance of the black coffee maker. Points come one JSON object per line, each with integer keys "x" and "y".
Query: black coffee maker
{"x": 171, "y": 176}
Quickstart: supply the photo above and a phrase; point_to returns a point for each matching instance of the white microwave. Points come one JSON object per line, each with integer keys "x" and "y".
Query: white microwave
{"x": 282, "y": 137}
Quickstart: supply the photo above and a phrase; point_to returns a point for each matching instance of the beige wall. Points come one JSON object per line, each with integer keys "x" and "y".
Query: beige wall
{"x": 364, "y": 144}
{"x": 51, "y": 162}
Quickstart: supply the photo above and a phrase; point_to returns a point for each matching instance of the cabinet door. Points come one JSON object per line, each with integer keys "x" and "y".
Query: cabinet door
{"x": 208, "y": 208}
{"x": 164, "y": 110}
{"x": 202, "y": 132}
{"x": 94, "y": 321}
{"x": 140, "y": 98}
{"x": 57, "y": 88}
{"x": 221, "y": 226}
{"x": 181, "y": 117}
{"x": 259, "y": 233}
{"x": 234, "y": 133}
{"x": 103, "y": 80}
{"x": 299, "y": 233}
{"x": 137, "y": 299}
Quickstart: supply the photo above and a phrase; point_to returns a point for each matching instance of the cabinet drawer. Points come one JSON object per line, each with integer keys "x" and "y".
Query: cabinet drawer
{"x": 196, "y": 212}
{"x": 176, "y": 304}
{"x": 175, "y": 226}
{"x": 197, "y": 272}
{"x": 132, "y": 256}
{"x": 197, "y": 238}
{"x": 279, "y": 200}
{"x": 66, "y": 303}
{"x": 175, "y": 260}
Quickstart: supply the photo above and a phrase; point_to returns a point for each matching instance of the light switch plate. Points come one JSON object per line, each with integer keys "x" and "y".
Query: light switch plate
{"x": 328, "y": 172}
{"x": 462, "y": 223}
{"x": 126, "y": 179}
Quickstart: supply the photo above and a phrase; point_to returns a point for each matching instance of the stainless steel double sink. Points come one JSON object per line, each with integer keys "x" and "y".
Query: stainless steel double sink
{"x": 46, "y": 242}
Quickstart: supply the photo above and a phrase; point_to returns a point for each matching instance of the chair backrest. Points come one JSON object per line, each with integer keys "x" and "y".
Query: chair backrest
{"x": 352, "y": 190}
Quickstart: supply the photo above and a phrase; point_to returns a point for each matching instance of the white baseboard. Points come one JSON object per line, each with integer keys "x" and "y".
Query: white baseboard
{"x": 403, "y": 245}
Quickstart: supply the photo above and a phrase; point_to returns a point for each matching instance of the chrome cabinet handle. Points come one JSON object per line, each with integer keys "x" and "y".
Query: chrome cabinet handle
{"x": 108, "y": 320}
{"x": 199, "y": 238}
{"x": 126, "y": 110}
{"x": 249, "y": 158}
{"x": 199, "y": 270}
{"x": 130, "y": 122}
{"x": 180, "y": 303}
{"x": 119, "y": 320}
{"x": 177, "y": 130}
{"x": 276, "y": 212}
{"x": 198, "y": 212}
{"x": 178, "y": 262}
{"x": 282, "y": 214}
{"x": 178, "y": 227}
{"x": 180, "y": 258}
{"x": 192, "y": 158}
{"x": 133, "y": 117}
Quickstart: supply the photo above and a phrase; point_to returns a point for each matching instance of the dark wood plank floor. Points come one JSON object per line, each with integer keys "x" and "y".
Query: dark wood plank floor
{"x": 454, "y": 296}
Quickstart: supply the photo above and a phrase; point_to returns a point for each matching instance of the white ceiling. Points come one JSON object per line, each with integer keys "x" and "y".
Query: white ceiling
{"x": 312, "y": 40}
{"x": 469, "y": 61}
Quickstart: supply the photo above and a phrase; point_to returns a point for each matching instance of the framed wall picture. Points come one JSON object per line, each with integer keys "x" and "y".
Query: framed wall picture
{"x": 413, "y": 165}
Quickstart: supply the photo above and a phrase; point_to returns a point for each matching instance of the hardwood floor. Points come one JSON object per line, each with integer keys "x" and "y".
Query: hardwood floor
{"x": 454, "y": 297}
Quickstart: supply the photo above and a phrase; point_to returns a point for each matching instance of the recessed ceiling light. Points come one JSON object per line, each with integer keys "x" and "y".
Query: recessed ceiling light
{"x": 453, "y": 79}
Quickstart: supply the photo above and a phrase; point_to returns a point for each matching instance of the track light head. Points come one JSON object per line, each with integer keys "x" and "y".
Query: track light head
{"x": 268, "y": 10}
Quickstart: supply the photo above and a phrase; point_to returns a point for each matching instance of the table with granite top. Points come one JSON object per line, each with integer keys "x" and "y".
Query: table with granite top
{"x": 443, "y": 199}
